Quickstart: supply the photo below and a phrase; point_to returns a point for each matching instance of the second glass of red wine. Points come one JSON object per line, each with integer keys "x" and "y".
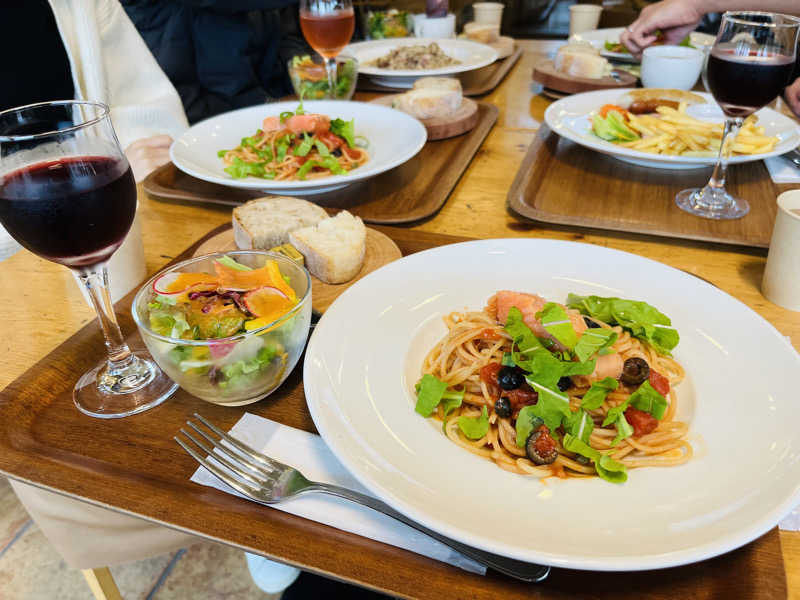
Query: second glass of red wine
{"x": 327, "y": 26}
{"x": 750, "y": 64}
{"x": 67, "y": 194}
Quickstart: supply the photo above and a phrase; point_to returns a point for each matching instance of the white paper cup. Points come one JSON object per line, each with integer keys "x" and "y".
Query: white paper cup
{"x": 781, "y": 283}
{"x": 584, "y": 17}
{"x": 488, "y": 13}
{"x": 435, "y": 27}
{"x": 671, "y": 67}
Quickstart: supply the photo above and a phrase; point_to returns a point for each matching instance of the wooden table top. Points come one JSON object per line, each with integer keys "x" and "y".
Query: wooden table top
{"x": 49, "y": 307}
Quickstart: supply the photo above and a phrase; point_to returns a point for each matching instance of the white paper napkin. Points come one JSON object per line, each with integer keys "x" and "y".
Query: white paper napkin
{"x": 309, "y": 454}
{"x": 781, "y": 170}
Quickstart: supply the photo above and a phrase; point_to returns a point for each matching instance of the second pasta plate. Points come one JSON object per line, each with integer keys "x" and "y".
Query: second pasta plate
{"x": 738, "y": 399}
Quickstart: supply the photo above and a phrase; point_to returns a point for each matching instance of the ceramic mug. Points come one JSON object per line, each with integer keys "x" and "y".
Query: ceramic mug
{"x": 488, "y": 13}
{"x": 435, "y": 27}
{"x": 781, "y": 283}
{"x": 671, "y": 67}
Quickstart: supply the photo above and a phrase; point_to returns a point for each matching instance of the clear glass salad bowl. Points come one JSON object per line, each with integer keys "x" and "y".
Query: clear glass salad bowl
{"x": 235, "y": 370}
{"x": 310, "y": 81}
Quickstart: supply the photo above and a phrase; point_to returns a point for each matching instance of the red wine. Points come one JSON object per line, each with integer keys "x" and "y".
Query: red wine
{"x": 74, "y": 211}
{"x": 328, "y": 33}
{"x": 743, "y": 84}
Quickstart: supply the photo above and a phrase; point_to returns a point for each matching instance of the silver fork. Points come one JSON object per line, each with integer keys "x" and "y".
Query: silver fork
{"x": 268, "y": 481}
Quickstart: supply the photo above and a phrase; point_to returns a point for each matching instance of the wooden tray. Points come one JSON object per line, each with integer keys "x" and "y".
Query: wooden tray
{"x": 132, "y": 465}
{"x": 441, "y": 128}
{"x": 564, "y": 183}
{"x": 413, "y": 191}
{"x": 475, "y": 83}
{"x": 380, "y": 250}
{"x": 546, "y": 74}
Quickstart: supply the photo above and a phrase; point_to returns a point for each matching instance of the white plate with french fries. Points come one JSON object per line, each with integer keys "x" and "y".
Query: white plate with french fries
{"x": 683, "y": 138}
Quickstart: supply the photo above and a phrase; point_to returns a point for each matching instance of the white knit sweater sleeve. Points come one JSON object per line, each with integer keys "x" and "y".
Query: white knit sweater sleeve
{"x": 111, "y": 63}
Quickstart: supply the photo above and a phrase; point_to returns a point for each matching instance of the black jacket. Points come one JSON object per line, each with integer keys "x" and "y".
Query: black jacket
{"x": 221, "y": 54}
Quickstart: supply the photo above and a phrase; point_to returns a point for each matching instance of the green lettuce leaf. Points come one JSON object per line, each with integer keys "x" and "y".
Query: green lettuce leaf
{"x": 321, "y": 148}
{"x": 305, "y": 146}
{"x": 282, "y": 146}
{"x": 475, "y": 427}
{"x": 597, "y": 393}
{"x": 593, "y": 341}
{"x": 345, "y": 129}
{"x": 556, "y": 322}
{"x": 641, "y": 319}
{"x": 231, "y": 263}
{"x": 240, "y": 169}
{"x": 647, "y": 399}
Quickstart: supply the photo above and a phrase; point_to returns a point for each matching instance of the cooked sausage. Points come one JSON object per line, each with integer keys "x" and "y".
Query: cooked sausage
{"x": 643, "y": 107}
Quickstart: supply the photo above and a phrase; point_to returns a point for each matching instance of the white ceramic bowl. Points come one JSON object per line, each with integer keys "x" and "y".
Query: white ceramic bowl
{"x": 671, "y": 67}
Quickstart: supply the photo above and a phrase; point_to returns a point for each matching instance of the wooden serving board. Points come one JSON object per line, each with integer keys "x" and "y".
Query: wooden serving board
{"x": 463, "y": 120}
{"x": 563, "y": 183}
{"x": 413, "y": 191}
{"x": 546, "y": 74}
{"x": 133, "y": 465}
{"x": 380, "y": 251}
{"x": 474, "y": 83}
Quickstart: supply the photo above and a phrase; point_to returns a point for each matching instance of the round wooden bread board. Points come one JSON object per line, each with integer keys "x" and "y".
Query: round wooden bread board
{"x": 463, "y": 120}
{"x": 380, "y": 250}
{"x": 546, "y": 74}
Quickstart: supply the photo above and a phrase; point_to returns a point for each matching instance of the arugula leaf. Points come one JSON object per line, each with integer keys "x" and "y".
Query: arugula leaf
{"x": 305, "y": 146}
{"x": 265, "y": 154}
{"x": 624, "y": 430}
{"x": 429, "y": 393}
{"x": 282, "y": 145}
{"x": 286, "y": 115}
{"x": 329, "y": 162}
{"x": 646, "y": 398}
{"x": 522, "y": 335}
{"x": 611, "y": 470}
{"x": 556, "y": 322}
{"x": 552, "y": 406}
{"x": 221, "y": 153}
{"x": 240, "y": 169}
{"x": 607, "y": 468}
{"x": 527, "y": 421}
{"x": 597, "y": 393}
{"x": 615, "y": 412}
{"x": 249, "y": 142}
{"x": 345, "y": 129}
{"x": 579, "y": 424}
{"x": 475, "y": 427}
{"x": 640, "y": 318}
{"x": 321, "y": 148}
{"x": 594, "y": 341}
{"x": 507, "y": 360}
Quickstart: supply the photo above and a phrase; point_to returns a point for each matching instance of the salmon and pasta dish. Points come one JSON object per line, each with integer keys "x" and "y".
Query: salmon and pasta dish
{"x": 581, "y": 389}
{"x": 295, "y": 146}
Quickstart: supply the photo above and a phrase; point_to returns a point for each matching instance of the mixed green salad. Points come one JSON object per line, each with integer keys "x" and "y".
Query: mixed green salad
{"x": 389, "y": 24}
{"x": 310, "y": 79}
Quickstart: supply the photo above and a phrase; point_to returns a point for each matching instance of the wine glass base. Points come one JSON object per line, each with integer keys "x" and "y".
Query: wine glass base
{"x": 696, "y": 201}
{"x": 141, "y": 385}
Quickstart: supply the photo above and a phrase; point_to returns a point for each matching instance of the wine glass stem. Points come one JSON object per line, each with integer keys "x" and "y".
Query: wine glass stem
{"x": 96, "y": 284}
{"x": 330, "y": 67}
{"x": 716, "y": 185}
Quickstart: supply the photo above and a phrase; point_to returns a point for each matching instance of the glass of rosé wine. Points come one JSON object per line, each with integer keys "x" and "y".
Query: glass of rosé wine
{"x": 327, "y": 26}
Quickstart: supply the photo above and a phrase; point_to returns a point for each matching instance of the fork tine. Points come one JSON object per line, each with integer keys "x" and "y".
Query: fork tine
{"x": 242, "y": 460}
{"x": 240, "y": 487}
{"x": 250, "y": 477}
{"x": 242, "y": 447}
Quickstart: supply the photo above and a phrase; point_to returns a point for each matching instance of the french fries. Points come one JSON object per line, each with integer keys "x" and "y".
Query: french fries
{"x": 675, "y": 133}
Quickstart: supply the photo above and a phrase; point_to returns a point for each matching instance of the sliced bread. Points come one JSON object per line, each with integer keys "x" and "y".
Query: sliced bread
{"x": 264, "y": 223}
{"x": 333, "y": 248}
{"x": 438, "y": 83}
{"x": 429, "y": 103}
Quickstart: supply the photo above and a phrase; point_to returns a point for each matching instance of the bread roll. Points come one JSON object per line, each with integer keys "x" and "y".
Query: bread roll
{"x": 482, "y": 33}
{"x": 429, "y": 103}
{"x": 334, "y": 248}
{"x": 264, "y": 223}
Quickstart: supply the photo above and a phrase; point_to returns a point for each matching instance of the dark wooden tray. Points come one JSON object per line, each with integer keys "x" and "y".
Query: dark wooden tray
{"x": 413, "y": 191}
{"x": 564, "y": 183}
{"x": 474, "y": 83}
{"x": 133, "y": 466}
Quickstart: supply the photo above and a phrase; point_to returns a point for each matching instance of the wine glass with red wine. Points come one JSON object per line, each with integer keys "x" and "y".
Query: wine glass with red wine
{"x": 750, "y": 64}
{"x": 67, "y": 193}
{"x": 327, "y": 26}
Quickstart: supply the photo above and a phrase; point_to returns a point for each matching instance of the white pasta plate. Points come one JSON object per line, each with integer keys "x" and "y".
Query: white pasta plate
{"x": 739, "y": 399}
{"x": 599, "y": 37}
{"x": 571, "y": 117}
{"x": 393, "y": 138}
{"x": 471, "y": 56}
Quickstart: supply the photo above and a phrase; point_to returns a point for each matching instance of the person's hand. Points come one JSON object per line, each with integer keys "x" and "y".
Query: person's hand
{"x": 792, "y": 96}
{"x": 147, "y": 154}
{"x": 675, "y": 19}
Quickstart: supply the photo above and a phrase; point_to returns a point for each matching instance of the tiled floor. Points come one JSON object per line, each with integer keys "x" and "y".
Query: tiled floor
{"x": 30, "y": 569}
